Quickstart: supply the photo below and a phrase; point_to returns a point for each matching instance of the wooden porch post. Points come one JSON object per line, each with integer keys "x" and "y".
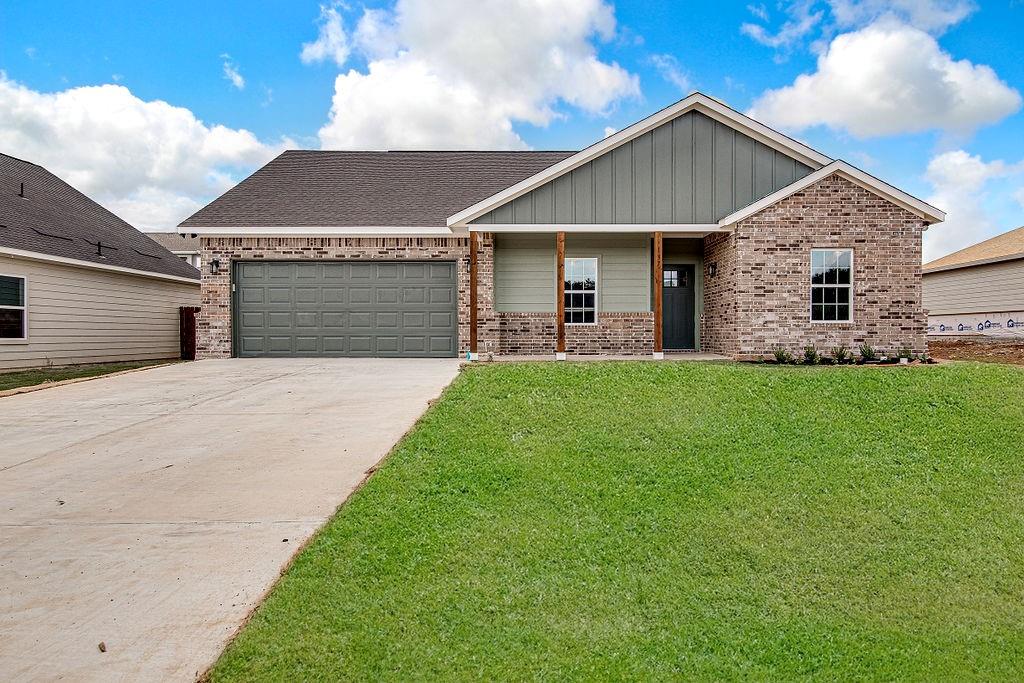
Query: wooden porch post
{"x": 560, "y": 295}
{"x": 473, "y": 244}
{"x": 659, "y": 266}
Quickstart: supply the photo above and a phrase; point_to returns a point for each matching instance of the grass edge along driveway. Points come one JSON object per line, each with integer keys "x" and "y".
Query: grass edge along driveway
{"x": 17, "y": 379}
{"x": 667, "y": 520}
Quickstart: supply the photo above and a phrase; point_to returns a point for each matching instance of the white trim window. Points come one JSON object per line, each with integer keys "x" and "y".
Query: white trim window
{"x": 581, "y": 291}
{"x": 831, "y": 285}
{"x": 13, "y": 308}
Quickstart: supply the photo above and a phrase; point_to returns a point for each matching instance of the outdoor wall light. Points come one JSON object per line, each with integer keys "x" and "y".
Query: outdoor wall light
{"x": 215, "y": 266}
{"x": 712, "y": 268}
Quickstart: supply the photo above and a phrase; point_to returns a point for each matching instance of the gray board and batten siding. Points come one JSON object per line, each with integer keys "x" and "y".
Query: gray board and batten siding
{"x": 692, "y": 169}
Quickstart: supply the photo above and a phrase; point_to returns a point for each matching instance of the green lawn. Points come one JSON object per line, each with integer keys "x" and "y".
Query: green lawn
{"x": 27, "y": 378}
{"x": 641, "y": 521}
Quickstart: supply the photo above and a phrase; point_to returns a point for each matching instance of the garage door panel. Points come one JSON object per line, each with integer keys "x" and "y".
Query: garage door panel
{"x": 307, "y": 271}
{"x": 414, "y": 271}
{"x": 334, "y": 271}
{"x": 307, "y": 344}
{"x": 253, "y": 344}
{"x": 414, "y": 344}
{"x": 307, "y": 295}
{"x": 279, "y": 320}
{"x": 441, "y": 295}
{"x": 280, "y": 271}
{"x": 279, "y": 344}
{"x": 350, "y": 308}
{"x": 279, "y": 295}
{"x": 414, "y": 295}
{"x": 440, "y": 320}
{"x": 360, "y": 295}
{"x": 414, "y": 319}
{"x": 334, "y": 320}
{"x": 442, "y": 271}
{"x": 334, "y": 295}
{"x": 254, "y": 319}
{"x": 360, "y": 344}
{"x": 335, "y": 345}
{"x": 252, "y": 295}
{"x": 360, "y": 320}
{"x": 360, "y": 271}
{"x": 443, "y": 344}
{"x": 387, "y": 271}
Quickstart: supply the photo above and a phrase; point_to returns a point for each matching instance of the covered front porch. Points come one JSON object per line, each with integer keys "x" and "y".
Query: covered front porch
{"x": 586, "y": 292}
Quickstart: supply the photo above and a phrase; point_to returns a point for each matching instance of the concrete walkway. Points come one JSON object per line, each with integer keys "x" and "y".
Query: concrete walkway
{"x": 151, "y": 511}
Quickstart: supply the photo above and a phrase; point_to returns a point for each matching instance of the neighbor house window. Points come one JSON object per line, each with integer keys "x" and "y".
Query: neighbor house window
{"x": 13, "y": 315}
{"x": 831, "y": 285}
{"x": 580, "y": 290}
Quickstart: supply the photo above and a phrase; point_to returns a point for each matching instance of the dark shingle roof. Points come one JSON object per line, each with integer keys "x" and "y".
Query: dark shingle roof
{"x": 349, "y": 189}
{"x": 174, "y": 241}
{"x": 54, "y": 218}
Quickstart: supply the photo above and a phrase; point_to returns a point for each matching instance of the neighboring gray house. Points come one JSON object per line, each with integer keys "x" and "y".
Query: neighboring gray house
{"x": 184, "y": 246}
{"x": 77, "y": 283}
{"x": 696, "y": 228}
{"x": 978, "y": 291}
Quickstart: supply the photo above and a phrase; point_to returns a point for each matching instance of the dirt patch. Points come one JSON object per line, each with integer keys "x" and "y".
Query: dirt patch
{"x": 984, "y": 351}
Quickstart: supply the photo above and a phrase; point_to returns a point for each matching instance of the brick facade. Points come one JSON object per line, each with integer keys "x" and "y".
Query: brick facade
{"x": 534, "y": 334}
{"x": 760, "y": 296}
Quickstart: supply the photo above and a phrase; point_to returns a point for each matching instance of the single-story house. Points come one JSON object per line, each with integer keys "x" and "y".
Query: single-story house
{"x": 185, "y": 247}
{"x": 77, "y": 283}
{"x": 697, "y": 228}
{"x": 978, "y": 291}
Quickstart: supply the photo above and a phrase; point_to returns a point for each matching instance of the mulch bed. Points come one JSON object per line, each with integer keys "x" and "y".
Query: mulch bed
{"x": 987, "y": 351}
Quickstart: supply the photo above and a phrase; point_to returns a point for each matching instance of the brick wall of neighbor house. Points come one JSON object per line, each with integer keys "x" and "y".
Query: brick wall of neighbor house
{"x": 214, "y": 321}
{"x": 534, "y": 334}
{"x": 760, "y": 296}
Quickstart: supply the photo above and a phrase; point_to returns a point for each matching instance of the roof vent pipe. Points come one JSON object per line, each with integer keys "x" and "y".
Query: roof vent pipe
{"x": 21, "y": 192}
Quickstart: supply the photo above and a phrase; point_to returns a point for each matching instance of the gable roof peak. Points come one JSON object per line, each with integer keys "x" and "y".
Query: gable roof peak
{"x": 697, "y": 101}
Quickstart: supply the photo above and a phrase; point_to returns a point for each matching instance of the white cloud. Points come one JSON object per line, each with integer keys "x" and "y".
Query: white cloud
{"x": 1019, "y": 196}
{"x": 438, "y": 75}
{"x": 759, "y": 11}
{"x": 934, "y": 16}
{"x": 149, "y": 161}
{"x": 331, "y": 42}
{"x": 668, "y": 67}
{"x": 886, "y": 79}
{"x": 825, "y": 18}
{"x": 960, "y": 181}
{"x": 609, "y": 131}
{"x": 231, "y": 73}
{"x": 803, "y": 18}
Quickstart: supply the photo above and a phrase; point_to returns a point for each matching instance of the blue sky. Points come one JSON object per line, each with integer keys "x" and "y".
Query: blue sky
{"x": 155, "y": 108}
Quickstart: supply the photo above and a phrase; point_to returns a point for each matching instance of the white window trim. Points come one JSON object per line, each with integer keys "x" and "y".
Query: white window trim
{"x": 597, "y": 290}
{"x": 810, "y": 280}
{"x": 24, "y": 326}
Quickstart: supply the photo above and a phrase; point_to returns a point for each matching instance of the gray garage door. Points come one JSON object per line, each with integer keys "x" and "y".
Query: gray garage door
{"x": 345, "y": 308}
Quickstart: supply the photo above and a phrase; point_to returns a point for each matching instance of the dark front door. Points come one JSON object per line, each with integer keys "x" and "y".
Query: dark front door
{"x": 678, "y": 303}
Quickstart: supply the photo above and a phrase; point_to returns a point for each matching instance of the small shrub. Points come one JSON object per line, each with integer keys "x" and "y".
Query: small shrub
{"x": 840, "y": 354}
{"x": 905, "y": 352}
{"x": 866, "y": 352}
{"x": 782, "y": 356}
{"x": 811, "y": 356}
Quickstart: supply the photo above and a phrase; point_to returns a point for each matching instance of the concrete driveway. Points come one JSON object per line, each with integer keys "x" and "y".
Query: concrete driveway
{"x": 152, "y": 511}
